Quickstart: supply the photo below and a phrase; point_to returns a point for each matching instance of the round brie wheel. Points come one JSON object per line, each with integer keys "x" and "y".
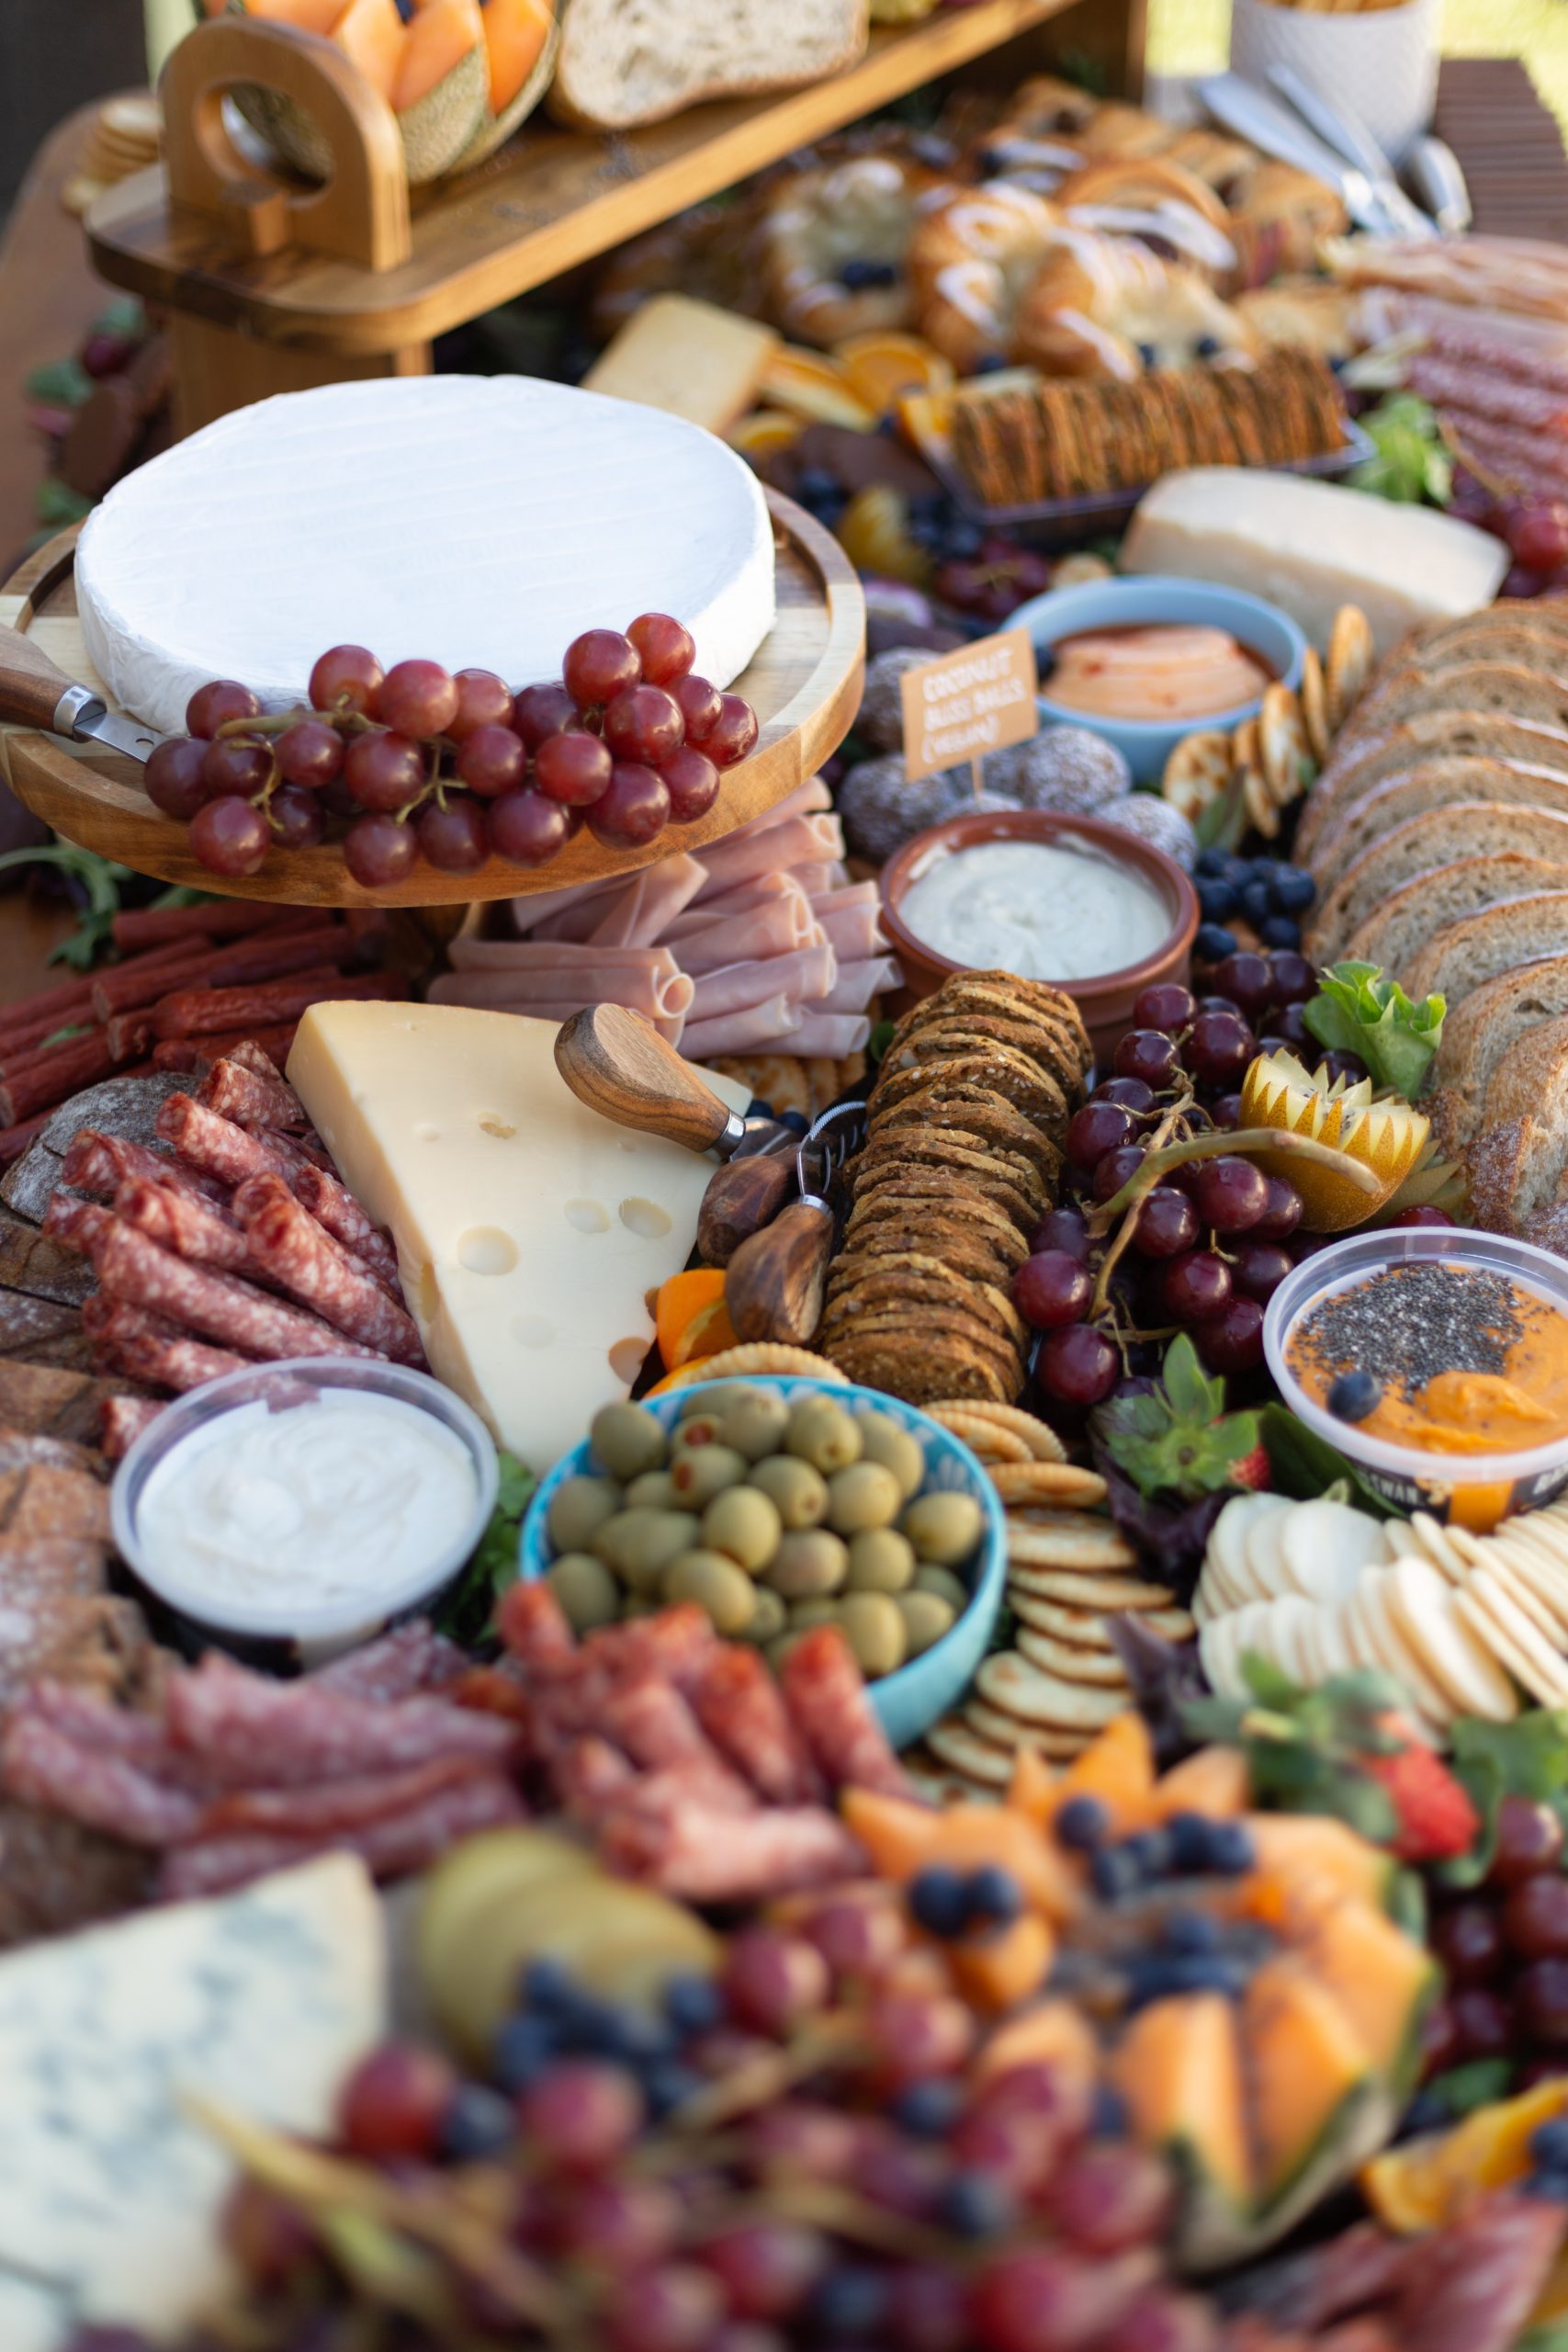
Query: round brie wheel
{"x": 480, "y": 521}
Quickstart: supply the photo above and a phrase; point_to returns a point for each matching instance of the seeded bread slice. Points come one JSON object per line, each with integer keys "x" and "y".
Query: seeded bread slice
{"x": 1425, "y": 735}
{"x": 1519, "y": 1163}
{"x": 1470, "y": 829}
{"x": 1465, "y": 955}
{"x": 628, "y": 61}
{"x": 1423, "y": 791}
{"x": 1394, "y": 936}
{"x": 1480, "y": 1030}
{"x": 1539, "y": 630}
{"x": 1404, "y": 691}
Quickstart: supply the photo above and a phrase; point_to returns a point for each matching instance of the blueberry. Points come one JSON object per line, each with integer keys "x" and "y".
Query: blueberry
{"x": 1550, "y": 2186}
{"x": 860, "y": 274}
{"x": 1353, "y": 1395}
{"x": 931, "y": 503}
{"x": 962, "y": 540}
{"x": 1211, "y": 863}
{"x": 637, "y": 2038}
{"x": 976, "y": 2205}
{"x": 1216, "y": 897}
{"x": 1153, "y": 1852}
{"x": 694, "y": 2004}
{"x": 479, "y": 2122}
{"x": 1427, "y": 2111}
{"x": 1148, "y": 355}
{"x": 994, "y": 1894}
{"x": 1548, "y": 2145}
{"x": 1189, "y": 1841}
{"x": 1213, "y": 942}
{"x": 547, "y": 1986}
{"x": 1238, "y": 869}
{"x": 1109, "y": 2118}
{"x": 930, "y": 2108}
{"x": 1294, "y": 889}
{"x": 815, "y": 482}
{"x": 938, "y": 1900}
{"x": 1191, "y": 1932}
{"x": 796, "y": 1121}
{"x": 594, "y": 2030}
{"x": 525, "y": 2046}
{"x": 1280, "y": 931}
{"x": 668, "y": 2085}
{"x": 1151, "y": 1976}
{"x": 1115, "y": 1874}
{"x": 850, "y": 2301}
{"x": 1206, "y": 346}
{"x": 1231, "y": 1850}
{"x": 1208, "y": 1972}
{"x": 990, "y": 363}
{"x": 1082, "y": 1824}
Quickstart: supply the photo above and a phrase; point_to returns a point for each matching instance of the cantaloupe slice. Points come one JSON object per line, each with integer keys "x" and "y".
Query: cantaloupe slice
{"x": 1215, "y": 1782}
{"x": 1430, "y": 2180}
{"x": 1381, "y": 1978}
{"x": 1305, "y": 2062}
{"x": 1049, "y": 2033}
{"x": 372, "y": 33}
{"x": 999, "y": 1971}
{"x": 442, "y": 35}
{"x": 308, "y": 15}
{"x": 516, "y": 35}
{"x": 1314, "y": 1857}
{"x": 903, "y": 1839}
{"x": 440, "y": 96}
{"x": 1119, "y": 1769}
{"x": 1032, "y": 1787}
{"x": 1179, "y": 2068}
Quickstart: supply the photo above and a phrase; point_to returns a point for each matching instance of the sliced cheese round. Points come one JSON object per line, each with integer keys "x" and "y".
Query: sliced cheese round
{"x": 481, "y": 522}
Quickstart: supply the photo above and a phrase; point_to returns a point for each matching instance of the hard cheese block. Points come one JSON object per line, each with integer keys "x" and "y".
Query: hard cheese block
{"x": 529, "y": 1228}
{"x": 1310, "y": 547}
{"x": 109, "y": 2190}
{"x": 479, "y": 522}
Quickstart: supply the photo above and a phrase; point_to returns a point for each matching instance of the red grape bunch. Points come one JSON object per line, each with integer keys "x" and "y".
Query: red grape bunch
{"x": 420, "y": 762}
{"x": 1503, "y": 1948}
{"x": 1203, "y": 1247}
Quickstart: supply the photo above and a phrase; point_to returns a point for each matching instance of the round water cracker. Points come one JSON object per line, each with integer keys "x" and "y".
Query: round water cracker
{"x": 1281, "y": 743}
{"x": 1066, "y": 1539}
{"x": 1325, "y": 1546}
{"x": 953, "y": 1741}
{"x": 1432, "y": 1539}
{"x": 1053, "y": 1657}
{"x": 1196, "y": 773}
{"x": 1542, "y": 1576}
{"x": 1259, "y": 803}
{"x": 1007, "y": 1680}
{"x": 1081, "y": 1627}
{"x": 1229, "y": 1534}
{"x": 1332, "y": 1643}
{"x": 1043, "y": 1444}
{"x": 1523, "y": 1595}
{"x": 986, "y": 1438}
{"x": 1260, "y": 1571}
{"x": 1050, "y": 1482}
{"x": 1352, "y": 654}
{"x": 1288, "y": 1619}
{"x": 1219, "y": 1651}
{"x": 756, "y": 1356}
{"x": 1112, "y": 1595}
{"x": 1315, "y": 707}
{"x": 1422, "y": 1607}
{"x": 1393, "y": 1647}
{"x": 1040, "y": 1740}
{"x": 1513, "y": 1637}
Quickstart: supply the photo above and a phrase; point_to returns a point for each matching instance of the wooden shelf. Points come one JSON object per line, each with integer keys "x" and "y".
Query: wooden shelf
{"x": 549, "y": 201}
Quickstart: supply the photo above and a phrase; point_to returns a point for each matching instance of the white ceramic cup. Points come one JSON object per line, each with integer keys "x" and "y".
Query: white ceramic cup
{"x": 1382, "y": 64}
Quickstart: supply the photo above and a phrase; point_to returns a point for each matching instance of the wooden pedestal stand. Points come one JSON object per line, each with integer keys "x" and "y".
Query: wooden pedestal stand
{"x": 272, "y": 284}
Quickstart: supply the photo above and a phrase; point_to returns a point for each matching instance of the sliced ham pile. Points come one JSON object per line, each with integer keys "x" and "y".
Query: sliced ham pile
{"x": 690, "y": 1766}
{"x": 241, "y": 1247}
{"x": 761, "y": 944}
{"x": 234, "y": 1774}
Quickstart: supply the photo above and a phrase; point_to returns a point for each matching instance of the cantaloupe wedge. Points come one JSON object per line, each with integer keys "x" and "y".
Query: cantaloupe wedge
{"x": 1050, "y": 2034}
{"x": 1032, "y": 1787}
{"x": 1119, "y": 1769}
{"x": 999, "y": 1971}
{"x": 905, "y": 1838}
{"x": 1430, "y": 2180}
{"x": 1303, "y": 1852}
{"x": 1215, "y": 1782}
{"x": 1305, "y": 2062}
{"x": 307, "y": 15}
{"x": 442, "y": 36}
{"x": 371, "y": 33}
{"x": 521, "y": 40}
{"x": 1179, "y": 2068}
{"x": 1381, "y": 1979}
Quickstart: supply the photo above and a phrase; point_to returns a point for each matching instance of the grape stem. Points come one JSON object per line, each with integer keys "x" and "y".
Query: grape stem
{"x": 1170, "y": 1123}
{"x": 277, "y": 722}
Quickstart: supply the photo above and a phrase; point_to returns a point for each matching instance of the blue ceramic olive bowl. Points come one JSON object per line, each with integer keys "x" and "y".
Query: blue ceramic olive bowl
{"x": 1137, "y": 602}
{"x": 908, "y": 1701}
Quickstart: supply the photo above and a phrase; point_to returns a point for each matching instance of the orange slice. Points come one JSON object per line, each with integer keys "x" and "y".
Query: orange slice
{"x": 874, "y": 533}
{"x": 763, "y": 432}
{"x": 879, "y": 368}
{"x": 810, "y": 386}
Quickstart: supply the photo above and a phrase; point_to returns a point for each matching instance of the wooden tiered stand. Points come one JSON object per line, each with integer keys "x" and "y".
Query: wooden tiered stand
{"x": 271, "y": 284}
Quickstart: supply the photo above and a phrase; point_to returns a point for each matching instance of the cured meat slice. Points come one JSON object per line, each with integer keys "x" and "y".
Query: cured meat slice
{"x": 220, "y": 1146}
{"x": 589, "y": 1775}
{"x": 1472, "y": 2286}
{"x": 1449, "y": 383}
{"x": 323, "y": 1808}
{"x": 675, "y": 1643}
{"x": 42, "y": 1766}
{"x": 215, "y": 1304}
{"x": 691, "y": 1849}
{"x": 411, "y": 1657}
{"x": 390, "y": 1848}
{"x": 827, "y": 1697}
{"x": 293, "y": 1250}
{"x": 147, "y": 1348}
{"x": 122, "y": 1420}
{"x": 535, "y": 1629}
{"x": 95, "y": 1163}
{"x": 256, "y": 1733}
{"x": 331, "y": 1204}
{"x": 649, "y": 1719}
{"x": 76, "y": 1225}
{"x": 186, "y": 1226}
{"x": 236, "y": 1092}
{"x": 742, "y": 1710}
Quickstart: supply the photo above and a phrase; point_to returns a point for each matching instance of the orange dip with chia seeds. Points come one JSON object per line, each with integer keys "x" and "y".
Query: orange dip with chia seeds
{"x": 1466, "y": 1360}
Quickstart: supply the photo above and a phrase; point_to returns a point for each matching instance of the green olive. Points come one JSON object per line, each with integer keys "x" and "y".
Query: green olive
{"x": 803, "y": 1613}
{"x": 881, "y": 1560}
{"x": 755, "y": 1423}
{"x": 714, "y": 1402}
{"x": 701, "y": 1429}
{"x": 822, "y": 1434}
{"x": 579, "y": 1509}
{"x": 627, "y": 1439}
{"x": 586, "y": 1590}
{"x": 769, "y": 1617}
{"x": 896, "y": 1449}
{"x": 927, "y": 1617}
{"x": 700, "y": 1472}
{"x": 653, "y": 1491}
{"x": 797, "y": 1492}
{"x": 865, "y": 1494}
{"x": 809, "y": 1563}
{"x": 716, "y": 1584}
{"x": 943, "y": 1527}
{"x": 874, "y": 1627}
{"x": 943, "y": 1584}
{"x": 743, "y": 1523}
{"x": 641, "y": 1544}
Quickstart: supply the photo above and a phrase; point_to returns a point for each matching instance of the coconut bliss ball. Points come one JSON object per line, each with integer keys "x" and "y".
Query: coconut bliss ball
{"x": 1155, "y": 820}
{"x": 1068, "y": 769}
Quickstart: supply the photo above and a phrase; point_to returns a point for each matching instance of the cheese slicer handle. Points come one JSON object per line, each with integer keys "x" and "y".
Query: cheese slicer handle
{"x": 617, "y": 1063}
{"x": 775, "y": 1283}
{"x": 32, "y": 687}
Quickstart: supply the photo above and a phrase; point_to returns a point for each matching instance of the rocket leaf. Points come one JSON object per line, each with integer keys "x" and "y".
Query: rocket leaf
{"x": 1356, "y": 1011}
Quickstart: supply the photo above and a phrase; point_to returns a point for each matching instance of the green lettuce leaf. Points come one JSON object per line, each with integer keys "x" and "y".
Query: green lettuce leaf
{"x": 468, "y": 1606}
{"x": 1410, "y": 463}
{"x": 1356, "y": 1011}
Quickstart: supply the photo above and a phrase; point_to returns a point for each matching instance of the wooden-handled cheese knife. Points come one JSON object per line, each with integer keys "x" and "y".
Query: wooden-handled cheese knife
{"x": 35, "y": 693}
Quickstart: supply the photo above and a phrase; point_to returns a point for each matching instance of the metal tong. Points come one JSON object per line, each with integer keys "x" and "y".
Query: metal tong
{"x": 1324, "y": 139}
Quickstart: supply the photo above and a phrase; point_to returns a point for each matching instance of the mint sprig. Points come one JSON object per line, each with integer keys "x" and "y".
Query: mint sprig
{"x": 1356, "y": 1011}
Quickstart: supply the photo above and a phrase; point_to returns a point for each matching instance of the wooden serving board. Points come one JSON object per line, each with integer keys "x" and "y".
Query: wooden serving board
{"x": 804, "y": 684}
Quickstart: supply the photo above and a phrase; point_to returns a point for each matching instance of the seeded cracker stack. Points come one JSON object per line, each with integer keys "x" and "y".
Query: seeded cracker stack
{"x": 964, "y": 1147}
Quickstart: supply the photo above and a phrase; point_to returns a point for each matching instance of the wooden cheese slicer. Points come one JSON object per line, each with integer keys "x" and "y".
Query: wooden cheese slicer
{"x": 775, "y": 1284}
{"x": 34, "y": 693}
{"x": 615, "y": 1061}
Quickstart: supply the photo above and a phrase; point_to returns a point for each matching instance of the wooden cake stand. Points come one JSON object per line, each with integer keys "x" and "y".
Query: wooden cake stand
{"x": 804, "y": 686}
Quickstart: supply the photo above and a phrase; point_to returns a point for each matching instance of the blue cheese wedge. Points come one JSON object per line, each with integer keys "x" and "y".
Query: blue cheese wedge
{"x": 109, "y": 2192}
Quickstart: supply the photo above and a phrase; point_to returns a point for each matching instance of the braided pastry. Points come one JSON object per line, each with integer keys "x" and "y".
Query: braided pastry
{"x": 832, "y": 246}
{"x": 1170, "y": 212}
{"x": 973, "y": 258}
{"x": 1103, "y": 306}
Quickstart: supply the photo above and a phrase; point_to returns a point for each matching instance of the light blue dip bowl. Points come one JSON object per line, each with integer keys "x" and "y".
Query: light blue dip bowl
{"x": 909, "y": 1701}
{"x": 1146, "y": 744}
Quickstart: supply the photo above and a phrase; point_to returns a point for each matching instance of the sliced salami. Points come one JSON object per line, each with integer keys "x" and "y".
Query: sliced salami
{"x": 122, "y": 1420}
{"x": 535, "y": 1630}
{"x": 76, "y": 1225}
{"x": 218, "y": 1306}
{"x": 675, "y": 1643}
{"x": 411, "y": 1657}
{"x": 43, "y": 1766}
{"x": 1478, "y": 2280}
{"x": 287, "y": 1244}
{"x": 236, "y": 1092}
{"x": 393, "y": 1848}
{"x": 705, "y": 1856}
{"x": 1449, "y": 383}
{"x": 332, "y": 1204}
{"x": 217, "y": 1147}
{"x": 323, "y": 1808}
{"x": 188, "y": 1228}
{"x": 94, "y": 1162}
{"x": 827, "y": 1698}
{"x": 741, "y": 1708}
{"x": 146, "y": 1348}
{"x": 650, "y": 1720}
{"x": 260, "y": 1734}
{"x": 589, "y": 1775}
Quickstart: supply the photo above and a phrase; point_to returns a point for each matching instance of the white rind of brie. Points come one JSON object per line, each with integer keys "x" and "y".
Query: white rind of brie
{"x": 480, "y": 521}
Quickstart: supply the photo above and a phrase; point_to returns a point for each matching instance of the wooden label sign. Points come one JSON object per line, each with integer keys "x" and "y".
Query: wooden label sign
{"x": 965, "y": 704}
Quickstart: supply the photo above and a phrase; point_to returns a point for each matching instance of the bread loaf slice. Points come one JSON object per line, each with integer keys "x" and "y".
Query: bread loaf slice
{"x": 628, "y": 61}
{"x": 1518, "y": 1163}
{"x": 1482, "y": 1028}
{"x": 1470, "y": 829}
{"x": 1436, "y": 783}
{"x": 1465, "y": 955}
{"x": 1399, "y": 693}
{"x": 1430, "y": 734}
{"x": 1394, "y": 936}
{"x": 1535, "y": 634}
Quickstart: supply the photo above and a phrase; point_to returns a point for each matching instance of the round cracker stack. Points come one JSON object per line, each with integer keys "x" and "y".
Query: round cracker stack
{"x": 124, "y": 139}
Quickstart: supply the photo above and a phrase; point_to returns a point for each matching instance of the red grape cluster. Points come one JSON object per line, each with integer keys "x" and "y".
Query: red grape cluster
{"x": 1504, "y": 1951}
{"x": 1534, "y": 531}
{"x": 1205, "y": 1248}
{"x": 421, "y": 763}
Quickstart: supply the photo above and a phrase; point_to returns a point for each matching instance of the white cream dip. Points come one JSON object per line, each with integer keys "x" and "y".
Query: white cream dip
{"x": 1044, "y": 913}
{"x": 338, "y": 1499}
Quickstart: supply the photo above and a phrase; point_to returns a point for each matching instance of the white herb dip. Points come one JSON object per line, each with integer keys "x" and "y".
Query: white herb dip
{"x": 1044, "y": 912}
{"x": 339, "y": 1499}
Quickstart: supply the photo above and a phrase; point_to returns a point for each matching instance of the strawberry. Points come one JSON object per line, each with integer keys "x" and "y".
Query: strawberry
{"x": 1253, "y": 1471}
{"x": 1176, "y": 1438}
{"x": 1435, "y": 1819}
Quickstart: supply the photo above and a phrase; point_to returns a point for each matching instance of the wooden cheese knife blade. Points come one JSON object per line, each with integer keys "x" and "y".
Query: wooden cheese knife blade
{"x": 34, "y": 692}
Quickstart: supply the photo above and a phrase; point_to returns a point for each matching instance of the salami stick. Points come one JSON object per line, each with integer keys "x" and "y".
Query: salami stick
{"x": 741, "y": 1708}
{"x": 214, "y": 919}
{"x": 194, "y": 1013}
{"x": 651, "y": 1721}
{"x": 188, "y": 1227}
{"x": 128, "y": 1035}
{"x": 589, "y": 1775}
{"x": 76, "y": 1225}
{"x": 53, "y": 1007}
{"x": 331, "y": 1204}
{"x": 198, "y": 1053}
{"x": 206, "y": 967}
{"x": 14, "y": 1140}
{"x": 53, "y": 1074}
{"x": 286, "y": 1243}
{"x": 147, "y": 1348}
{"x": 826, "y": 1696}
{"x": 235, "y": 1091}
{"x": 411, "y": 1657}
{"x": 122, "y": 1420}
{"x": 217, "y": 1306}
{"x": 257, "y": 1733}
{"x": 390, "y": 1848}
{"x": 705, "y": 1855}
{"x": 43, "y": 1766}
{"x": 217, "y": 1147}
{"x": 95, "y": 1163}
